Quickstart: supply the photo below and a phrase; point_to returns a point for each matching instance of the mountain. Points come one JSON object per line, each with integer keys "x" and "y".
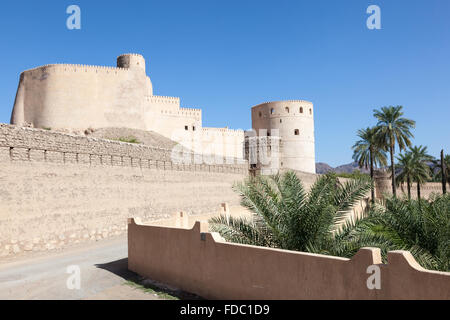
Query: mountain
{"x": 322, "y": 168}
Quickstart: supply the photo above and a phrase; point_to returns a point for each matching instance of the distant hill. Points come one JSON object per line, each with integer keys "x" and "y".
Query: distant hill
{"x": 322, "y": 168}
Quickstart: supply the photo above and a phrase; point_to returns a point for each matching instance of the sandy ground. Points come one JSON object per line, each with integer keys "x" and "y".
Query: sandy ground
{"x": 103, "y": 273}
{"x": 102, "y": 265}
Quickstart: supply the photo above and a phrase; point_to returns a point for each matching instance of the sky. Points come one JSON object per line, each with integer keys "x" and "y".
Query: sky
{"x": 225, "y": 56}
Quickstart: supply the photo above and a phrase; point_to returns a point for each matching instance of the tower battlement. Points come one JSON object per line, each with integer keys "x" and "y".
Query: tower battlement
{"x": 131, "y": 61}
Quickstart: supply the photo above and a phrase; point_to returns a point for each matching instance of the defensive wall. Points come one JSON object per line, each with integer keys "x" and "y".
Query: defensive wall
{"x": 57, "y": 189}
{"x": 383, "y": 187}
{"x": 203, "y": 263}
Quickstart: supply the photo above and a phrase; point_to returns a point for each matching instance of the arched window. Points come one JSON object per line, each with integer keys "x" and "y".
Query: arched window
{"x": 297, "y": 132}
{"x": 310, "y": 111}
{"x": 287, "y": 109}
{"x": 186, "y": 128}
{"x": 301, "y": 109}
{"x": 260, "y": 114}
{"x": 272, "y": 111}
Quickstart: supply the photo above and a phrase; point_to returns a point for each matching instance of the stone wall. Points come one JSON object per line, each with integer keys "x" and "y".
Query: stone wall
{"x": 203, "y": 263}
{"x": 57, "y": 189}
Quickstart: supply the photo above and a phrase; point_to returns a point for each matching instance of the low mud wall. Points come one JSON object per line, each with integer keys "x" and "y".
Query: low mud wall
{"x": 203, "y": 263}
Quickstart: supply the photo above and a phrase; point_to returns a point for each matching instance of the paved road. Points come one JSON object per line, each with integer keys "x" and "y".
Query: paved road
{"x": 103, "y": 271}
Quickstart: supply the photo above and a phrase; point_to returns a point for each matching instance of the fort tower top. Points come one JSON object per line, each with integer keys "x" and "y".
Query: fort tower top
{"x": 131, "y": 61}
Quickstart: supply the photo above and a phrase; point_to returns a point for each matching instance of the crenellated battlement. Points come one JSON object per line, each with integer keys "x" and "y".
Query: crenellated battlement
{"x": 163, "y": 99}
{"x": 73, "y": 68}
{"x": 208, "y": 130}
{"x": 295, "y": 101}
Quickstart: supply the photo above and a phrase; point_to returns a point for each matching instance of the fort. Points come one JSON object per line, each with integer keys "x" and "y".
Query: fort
{"x": 63, "y": 184}
{"x": 78, "y": 97}
{"x": 67, "y": 185}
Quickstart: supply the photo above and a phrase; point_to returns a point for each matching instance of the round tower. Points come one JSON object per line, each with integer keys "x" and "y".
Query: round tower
{"x": 131, "y": 61}
{"x": 293, "y": 122}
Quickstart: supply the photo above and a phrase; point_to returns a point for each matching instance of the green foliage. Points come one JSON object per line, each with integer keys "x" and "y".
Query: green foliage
{"x": 129, "y": 139}
{"x": 392, "y": 128}
{"x": 288, "y": 217}
{"x": 437, "y": 170}
{"x": 368, "y": 151}
{"x": 356, "y": 174}
{"x": 420, "y": 226}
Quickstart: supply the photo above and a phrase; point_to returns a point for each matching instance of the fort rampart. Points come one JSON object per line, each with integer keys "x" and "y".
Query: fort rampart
{"x": 57, "y": 189}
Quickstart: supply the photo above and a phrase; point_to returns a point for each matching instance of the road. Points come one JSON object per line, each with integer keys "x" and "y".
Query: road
{"x": 102, "y": 268}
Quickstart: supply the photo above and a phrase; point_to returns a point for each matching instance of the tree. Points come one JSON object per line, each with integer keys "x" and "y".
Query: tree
{"x": 286, "y": 216}
{"x": 393, "y": 129}
{"x": 421, "y": 169}
{"x": 419, "y": 226}
{"x": 405, "y": 162}
{"x": 441, "y": 170}
{"x": 368, "y": 152}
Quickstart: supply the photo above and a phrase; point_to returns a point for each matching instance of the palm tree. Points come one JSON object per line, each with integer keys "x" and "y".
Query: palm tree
{"x": 368, "y": 153}
{"x": 419, "y": 226}
{"x": 421, "y": 169}
{"x": 405, "y": 162}
{"x": 437, "y": 168}
{"x": 286, "y": 216}
{"x": 393, "y": 129}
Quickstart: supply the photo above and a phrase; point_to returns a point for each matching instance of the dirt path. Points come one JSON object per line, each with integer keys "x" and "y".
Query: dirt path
{"x": 103, "y": 274}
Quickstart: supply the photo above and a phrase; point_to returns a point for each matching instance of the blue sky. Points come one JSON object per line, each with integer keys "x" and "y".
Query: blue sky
{"x": 226, "y": 56}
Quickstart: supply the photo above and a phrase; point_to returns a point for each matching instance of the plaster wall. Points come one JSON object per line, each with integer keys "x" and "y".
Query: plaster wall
{"x": 203, "y": 263}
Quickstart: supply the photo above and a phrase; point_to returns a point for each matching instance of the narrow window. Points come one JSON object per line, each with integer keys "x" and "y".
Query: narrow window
{"x": 281, "y": 120}
{"x": 310, "y": 111}
{"x": 193, "y": 128}
{"x": 272, "y": 111}
{"x": 287, "y": 110}
{"x": 297, "y": 132}
{"x": 260, "y": 114}
{"x": 186, "y": 128}
{"x": 301, "y": 109}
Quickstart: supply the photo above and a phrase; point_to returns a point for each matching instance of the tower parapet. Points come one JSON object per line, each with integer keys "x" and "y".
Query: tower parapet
{"x": 131, "y": 61}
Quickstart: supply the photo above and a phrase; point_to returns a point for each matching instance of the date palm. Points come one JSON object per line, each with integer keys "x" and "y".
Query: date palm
{"x": 393, "y": 130}
{"x": 421, "y": 172}
{"x": 437, "y": 168}
{"x": 421, "y": 227}
{"x": 286, "y": 216}
{"x": 406, "y": 164}
{"x": 368, "y": 152}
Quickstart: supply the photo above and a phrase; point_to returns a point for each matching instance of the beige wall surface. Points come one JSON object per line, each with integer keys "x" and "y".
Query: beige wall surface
{"x": 58, "y": 188}
{"x": 203, "y": 263}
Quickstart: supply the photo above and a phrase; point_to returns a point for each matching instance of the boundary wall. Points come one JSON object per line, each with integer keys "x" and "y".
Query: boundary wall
{"x": 204, "y": 264}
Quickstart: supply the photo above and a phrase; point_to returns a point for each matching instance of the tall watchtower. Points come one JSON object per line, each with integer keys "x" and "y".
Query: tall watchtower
{"x": 293, "y": 122}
